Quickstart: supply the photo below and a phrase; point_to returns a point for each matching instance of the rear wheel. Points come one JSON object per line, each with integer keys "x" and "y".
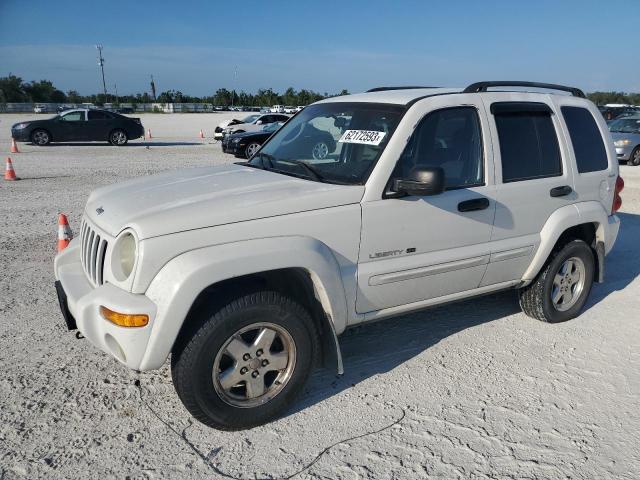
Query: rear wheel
{"x": 251, "y": 149}
{"x": 634, "y": 158}
{"x": 561, "y": 289}
{"x": 40, "y": 137}
{"x": 246, "y": 361}
{"x": 118, "y": 137}
{"x": 320, "y": 151}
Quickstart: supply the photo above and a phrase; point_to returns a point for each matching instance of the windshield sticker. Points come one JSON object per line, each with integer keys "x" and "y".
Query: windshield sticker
{"x": 366, "y": 137}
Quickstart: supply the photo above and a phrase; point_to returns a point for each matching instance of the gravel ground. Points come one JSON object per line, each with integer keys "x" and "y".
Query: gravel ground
{"x": 471, "y": 390}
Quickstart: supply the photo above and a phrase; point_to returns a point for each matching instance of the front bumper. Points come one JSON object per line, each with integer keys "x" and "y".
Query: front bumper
{"x": 624, "y": 153}
{"x": 82, "y": 302}
{"x": 21, "y": 135}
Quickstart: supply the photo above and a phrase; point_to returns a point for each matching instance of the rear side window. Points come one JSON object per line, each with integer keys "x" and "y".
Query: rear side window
{"x": 528, "y": 142}
{"x": 98, "y": 115}
{"x": 591, "y": 155}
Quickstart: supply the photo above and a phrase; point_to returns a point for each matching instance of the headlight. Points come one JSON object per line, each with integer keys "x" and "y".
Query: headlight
{"x": 123, "y": 258}
{"x": 622, "y": 143}
{"x": 20, "y": 126}
{"x": 236, "y": 140}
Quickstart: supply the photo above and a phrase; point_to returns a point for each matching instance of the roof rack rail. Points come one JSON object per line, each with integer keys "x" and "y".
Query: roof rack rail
{"x": 483, "y": 86}
{"x": 385, "y": 89}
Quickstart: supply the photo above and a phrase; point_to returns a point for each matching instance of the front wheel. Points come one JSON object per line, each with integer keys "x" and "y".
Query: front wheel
{"x": 561, "y": 289}
{"x": 251, "y": 150}
{"x": 118, "y": 137}
{"x": 40, "y": 137}
{"x": 246, "y": 361}
{"x": 634, "y": 158}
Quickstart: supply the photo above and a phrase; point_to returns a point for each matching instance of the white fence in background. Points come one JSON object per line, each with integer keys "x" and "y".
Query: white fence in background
{"x": 138, "y": 107}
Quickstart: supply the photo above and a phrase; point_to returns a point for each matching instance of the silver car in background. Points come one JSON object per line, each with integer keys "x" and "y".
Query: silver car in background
{"x": 626, "y": 138}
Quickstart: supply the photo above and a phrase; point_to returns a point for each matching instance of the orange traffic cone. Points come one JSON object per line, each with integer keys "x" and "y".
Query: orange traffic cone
{"x": 14, "y": 146}
{"x": 10, "y": 173}
{"x": 64, "y": 232}
{"x": 201, "y": 134}
{"x": 149, "y": 134}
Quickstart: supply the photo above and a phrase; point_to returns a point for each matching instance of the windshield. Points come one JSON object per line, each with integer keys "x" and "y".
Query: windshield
{"x": 331, "y": 142}
{"x": 272, "y": 127}
{"x": 250, "y": 119}
{"x": 625, "y": 125}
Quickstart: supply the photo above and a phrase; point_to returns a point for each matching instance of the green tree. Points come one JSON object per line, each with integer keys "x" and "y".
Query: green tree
{"x": 12, "y": 89}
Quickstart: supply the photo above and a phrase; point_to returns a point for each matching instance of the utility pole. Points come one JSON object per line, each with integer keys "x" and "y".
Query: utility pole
{"x": 101, "y": 63}
{"x": 235, "y": 81}
{"x": 115, "y": 87}
{"x": 153, "y": 89}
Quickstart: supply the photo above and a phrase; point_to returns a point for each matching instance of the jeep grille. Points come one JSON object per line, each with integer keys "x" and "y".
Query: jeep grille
{"x": 93, "y": 249}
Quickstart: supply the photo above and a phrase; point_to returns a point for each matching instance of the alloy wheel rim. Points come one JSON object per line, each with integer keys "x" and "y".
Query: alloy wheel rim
{"x": 320, "y": 151}
{"x": 254, "y": 365}
{"x": 252, "y": 149}
{"x": 568, "y": 284}
{"x": 41, "y": 137}
{"x": 118, "y": 138}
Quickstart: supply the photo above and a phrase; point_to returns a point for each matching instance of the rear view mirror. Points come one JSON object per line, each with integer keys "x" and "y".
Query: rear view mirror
{"x": 421, "y": 181}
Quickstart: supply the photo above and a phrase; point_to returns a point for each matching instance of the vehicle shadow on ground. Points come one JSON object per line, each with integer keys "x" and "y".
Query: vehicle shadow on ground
{"x": 380, "y": 347}
{"x": 137, "y": 144}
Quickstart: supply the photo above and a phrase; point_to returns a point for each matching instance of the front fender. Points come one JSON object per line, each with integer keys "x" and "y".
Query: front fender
{"x": 179, "y": 282}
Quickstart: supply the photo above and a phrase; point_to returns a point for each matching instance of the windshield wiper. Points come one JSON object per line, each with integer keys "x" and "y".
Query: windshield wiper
{"x": 311, "y": 171}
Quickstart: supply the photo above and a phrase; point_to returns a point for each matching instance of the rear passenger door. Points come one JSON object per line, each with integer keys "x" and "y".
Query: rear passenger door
{"x": 533, "y": 178}
{"x": 99, "y": 125}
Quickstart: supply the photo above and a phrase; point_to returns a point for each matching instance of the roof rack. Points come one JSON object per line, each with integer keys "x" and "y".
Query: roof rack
{"x": 483, "y": 86}
{"x": 385, "y": 89}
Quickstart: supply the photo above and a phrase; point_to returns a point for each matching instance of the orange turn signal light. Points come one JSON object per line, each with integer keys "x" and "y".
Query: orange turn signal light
{"x": 124, "y": 319}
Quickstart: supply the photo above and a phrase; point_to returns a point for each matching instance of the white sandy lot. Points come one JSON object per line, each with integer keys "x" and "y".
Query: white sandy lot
{"x": 470, "y": 390}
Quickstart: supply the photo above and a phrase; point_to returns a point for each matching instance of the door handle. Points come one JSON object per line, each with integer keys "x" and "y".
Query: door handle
{"x": 473, "y": 205}
{"x": 560, "y": 191}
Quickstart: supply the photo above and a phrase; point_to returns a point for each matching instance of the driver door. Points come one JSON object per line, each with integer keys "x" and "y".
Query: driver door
{"x": 71, "y": 127}
{"x": 419, "y": 248}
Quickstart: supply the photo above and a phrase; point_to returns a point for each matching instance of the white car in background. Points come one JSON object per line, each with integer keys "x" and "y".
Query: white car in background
{"x": 290, "y": 109}
{"x": 277, "y": 109}
{"x": 39, "y": 109}
{"x": 218, "y": 133}
{"x": 254, "y": 123}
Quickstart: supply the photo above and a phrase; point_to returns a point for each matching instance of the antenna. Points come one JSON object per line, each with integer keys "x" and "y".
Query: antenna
{"x": 101, "y": 63}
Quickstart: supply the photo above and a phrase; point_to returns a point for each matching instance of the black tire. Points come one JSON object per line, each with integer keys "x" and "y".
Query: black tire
{"x": 118, "y": 137}
{"x": 40, "y": 137}
{"x": 634, "y": 158}
{"x": 536, "y": 298}
{"x": 193, "y": 359}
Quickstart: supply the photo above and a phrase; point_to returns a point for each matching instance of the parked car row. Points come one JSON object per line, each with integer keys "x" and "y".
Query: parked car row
{"x": 613, "y": 111}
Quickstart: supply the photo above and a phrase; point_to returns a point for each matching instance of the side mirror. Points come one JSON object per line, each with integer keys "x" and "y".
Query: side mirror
{"x": 259, "y": 122}
{"x": 422, "y": 181}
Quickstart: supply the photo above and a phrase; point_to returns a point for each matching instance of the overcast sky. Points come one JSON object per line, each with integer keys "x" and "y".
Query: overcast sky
{"x": 321, "y": 45}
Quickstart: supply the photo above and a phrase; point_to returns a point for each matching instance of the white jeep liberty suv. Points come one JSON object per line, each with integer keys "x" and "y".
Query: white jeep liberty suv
{"x": 246, "y": 274}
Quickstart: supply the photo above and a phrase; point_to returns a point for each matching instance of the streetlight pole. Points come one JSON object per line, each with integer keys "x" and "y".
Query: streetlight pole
{"x": 101, "y": 63}
{"x": 115, "y": 87}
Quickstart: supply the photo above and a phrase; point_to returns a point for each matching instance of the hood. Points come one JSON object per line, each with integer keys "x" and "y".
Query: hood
{"x": 250, "y": 134}
{"x": 622, "y": 136}
{"x": 204, "y": 197}
{"x": 226, "y": 123}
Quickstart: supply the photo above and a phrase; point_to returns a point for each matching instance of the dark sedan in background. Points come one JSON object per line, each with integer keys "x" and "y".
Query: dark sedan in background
{"x": 80, "y": 125}
{"x": 246, "y": 144}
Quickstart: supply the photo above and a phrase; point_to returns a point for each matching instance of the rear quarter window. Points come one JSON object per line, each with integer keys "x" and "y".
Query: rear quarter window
{"x": 588, "y": 146}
